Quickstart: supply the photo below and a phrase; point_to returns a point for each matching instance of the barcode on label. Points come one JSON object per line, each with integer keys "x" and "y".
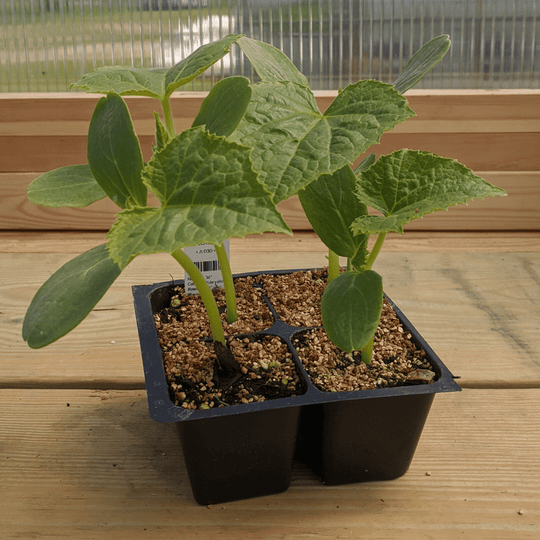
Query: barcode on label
{"x": 207, "y": 266}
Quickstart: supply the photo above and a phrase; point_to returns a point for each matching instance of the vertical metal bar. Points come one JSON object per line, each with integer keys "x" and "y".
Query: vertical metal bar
{"x": 26, "y": 45}
{"x": 372, "y": 37}
{"x": 321, "y": 45}
{"x": 122, "y": 40}
{"x": 381, "y": 40}
{"x": 451, "y": 51}
{"x": 492, "y": 48}
{"x": 533, "y": 45}
{"x": 300, "y": 36}
{"x": 45, "y": 44}
{"x": 76, "y": 69}
{"x": 391, "y": 43}
{"x": 340, "y": 44}
{"x": 331, "y": 81}
{"x": 131, "y": 32}
{"x": 92, "y": 35}
{"x": 502, "y": 77}
{"x": 351, "y": 41}
{"x": 523, "y": 34}
{"x": 16, "y": 45}
{"x": 291, "y": 33}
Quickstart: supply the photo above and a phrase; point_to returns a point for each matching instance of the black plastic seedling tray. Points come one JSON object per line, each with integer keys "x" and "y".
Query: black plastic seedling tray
{"x": 248, "y": 450}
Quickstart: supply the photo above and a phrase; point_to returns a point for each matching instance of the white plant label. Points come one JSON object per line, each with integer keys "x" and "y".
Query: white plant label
{"x": 205, "y": 258}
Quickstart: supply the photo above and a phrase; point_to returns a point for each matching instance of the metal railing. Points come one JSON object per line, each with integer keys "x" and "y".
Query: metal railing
{"x": 47, "y": 44}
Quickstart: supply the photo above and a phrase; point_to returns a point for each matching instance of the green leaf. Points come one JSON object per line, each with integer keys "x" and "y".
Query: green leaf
{"x": 408, "y": 184}
{"x": 125, "y": 81}
{"x": 114, "y": 153}
{"x": 270, "y": 63}
{"x": 73, "y": 186}
{"x": 209, "y": 192}
{"x": 157, "y": 83}
{"x": 68, "y": 296}
{"x": 197, "y": 62}
{"x": 225, "y": 105}
{"x": 293, "y": 143}
{"x": 351, "y": 308}
{"x": 422, "y": 62}
{"x": 331, "y": 206}
{"x": 162, "y": 135}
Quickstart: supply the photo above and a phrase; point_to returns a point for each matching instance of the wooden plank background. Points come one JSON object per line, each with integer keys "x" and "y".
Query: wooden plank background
{"x": 496, "y": 134}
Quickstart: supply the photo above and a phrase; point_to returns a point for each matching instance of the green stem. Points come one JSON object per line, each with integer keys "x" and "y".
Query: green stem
{"x": 167, "y": 113}
{"x": 228, "y": 283}
{"x": 206, "y": 294}
{"x": 367, "y": 352}
{"x": 333, "y": 265}
{"x": 375, "y": 251}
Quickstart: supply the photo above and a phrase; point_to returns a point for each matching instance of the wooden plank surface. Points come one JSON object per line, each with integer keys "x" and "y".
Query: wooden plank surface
{"x": 500, "y": 129}
{"x": 478, "y": 309}
{"x": 519, "y": 210}
{"x": 79, "y": 464}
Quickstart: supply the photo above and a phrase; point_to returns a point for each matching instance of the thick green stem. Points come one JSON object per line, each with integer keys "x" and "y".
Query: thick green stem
{"x": 169, "y": 123}
{"x": 367, "y": 352}
{"x": 206, "y": 294}
{"x": 375, "y": 251}
{"x": 333, "y": 265}
{"x": 228, "y": 284}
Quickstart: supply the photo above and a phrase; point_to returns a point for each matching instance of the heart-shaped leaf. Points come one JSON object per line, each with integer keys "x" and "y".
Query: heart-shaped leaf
{"x": 331, "y": 206}
{"x": 68, "y": 296}
{"x": 209, "y": 192}
{"x": 351, "y": 308}
{"x": 270, "y": 63}
{"x": 225, "y": 105}
{"x": 408, "y": 184}
{"x": 422, "y": 62}
{"x": 197, "y": 62}
{"x": 114, "y": 153}
{"x": 73, "y": 186}
{"x": 293, "y": 143}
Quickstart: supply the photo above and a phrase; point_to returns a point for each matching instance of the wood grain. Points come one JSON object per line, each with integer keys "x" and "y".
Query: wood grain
{"x": 485, "y": 130}
{"x": 91, "y": 464}
{"x": 478, "y": 310}
{"x": 519, "y": 210}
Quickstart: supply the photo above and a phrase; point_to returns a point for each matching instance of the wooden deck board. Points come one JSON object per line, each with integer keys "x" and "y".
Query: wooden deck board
{"x": 101, "y": 467}
{"x": 517, "y": 211}
{"x": 478, "y": 310}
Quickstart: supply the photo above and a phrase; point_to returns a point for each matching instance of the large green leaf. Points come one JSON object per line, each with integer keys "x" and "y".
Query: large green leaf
{"x": 331, "y": 206}
{"x": 68, "y": 296}
{"x": 270, "y": 63}
{"x": 198, "y": 62}
{"x": 73, "y": 186}
{"x": 408, "y": 184}
{"x": 293, "y": 143}
{"x": 209, "y": 192}
{"x": 422, "y": 62}
{"x": 125, "y": 81}
{"x": 157, "y": 83}
{"x": 225, "y": 105}
{"x": 114, "y": 153}
{"x": 351, "y": 308}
